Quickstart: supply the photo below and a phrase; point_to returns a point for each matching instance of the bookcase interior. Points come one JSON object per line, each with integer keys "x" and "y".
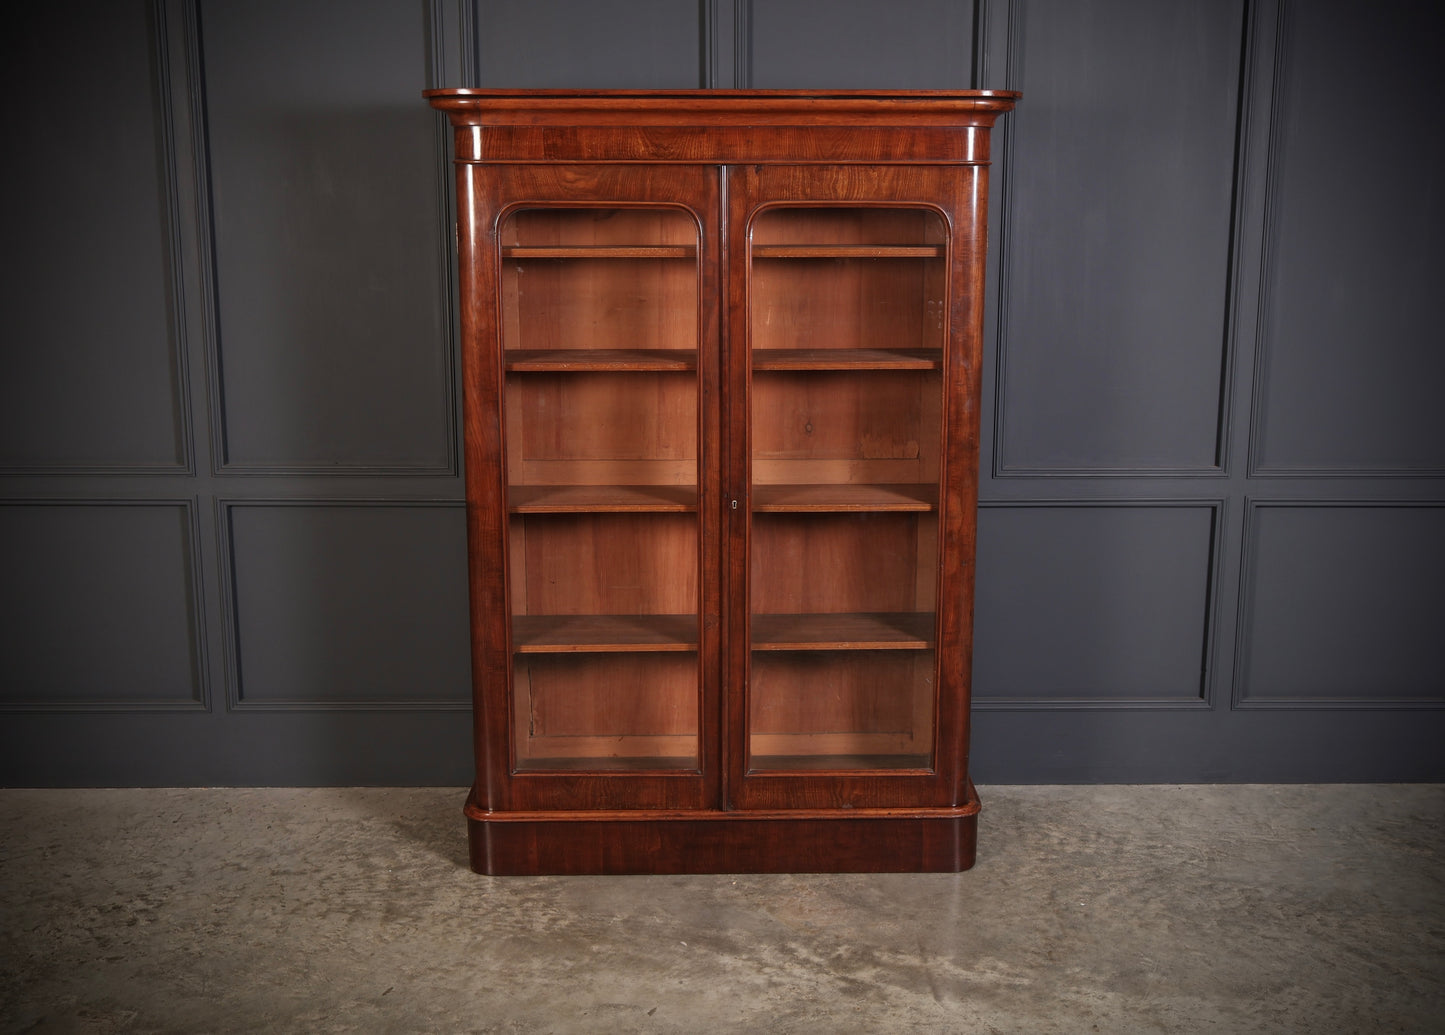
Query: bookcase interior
{"x": 600, "y": 344}
{"x": 600, "y": 333}
{"x": 848, "y": 327}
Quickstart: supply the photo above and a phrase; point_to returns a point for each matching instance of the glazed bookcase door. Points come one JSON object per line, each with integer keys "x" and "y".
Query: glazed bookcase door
{"x": 855, "y": 478}
{"x": 603, "y": 343}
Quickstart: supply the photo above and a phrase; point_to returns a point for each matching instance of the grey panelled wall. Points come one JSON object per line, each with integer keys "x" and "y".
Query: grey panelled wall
{"x": 100, "y": 386}
{"x": 1349, "y": 371}
{"x": 331, "y": 306}
{"x": 1094, "y": 603}
{"x": 1108, "y": 181}
{"x": 1212, "y": 538}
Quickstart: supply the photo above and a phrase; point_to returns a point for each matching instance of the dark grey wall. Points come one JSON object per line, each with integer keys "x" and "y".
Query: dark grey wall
{"x": 1212, "y": 538}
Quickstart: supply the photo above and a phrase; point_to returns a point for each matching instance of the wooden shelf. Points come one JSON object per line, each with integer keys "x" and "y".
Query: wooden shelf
{"x": 843, "y": 763}
{"x": 827, "y": 499}
{"x": 847, "y": 359}
{"x": 567, "y": 360}
{"x": 590, "y": 763}
{"x": 873, "y": 631}
{"x": 847, "y": 251}
{"x": 599, "y": 251}
{"x": 601, "y": 499}
{"x": 603, "y": 634}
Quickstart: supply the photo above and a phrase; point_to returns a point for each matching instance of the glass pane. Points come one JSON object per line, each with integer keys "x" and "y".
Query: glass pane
{"x": 599, "y": 336}
{"x": 848, "y": 311}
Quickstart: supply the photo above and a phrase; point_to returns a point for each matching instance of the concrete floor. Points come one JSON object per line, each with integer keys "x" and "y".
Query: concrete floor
{"x": 1109, "y": 909}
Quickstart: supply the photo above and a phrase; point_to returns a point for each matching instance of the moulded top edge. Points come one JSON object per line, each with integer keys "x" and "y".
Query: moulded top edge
{"x": 889, "y": 95}
{"x": 621, "y": 106}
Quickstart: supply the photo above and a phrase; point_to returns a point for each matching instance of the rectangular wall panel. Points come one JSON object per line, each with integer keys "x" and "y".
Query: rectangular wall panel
{"x": 1343, "y": 605}
{"x": 593, "y": 44}
{"x": 316, "y": 220}
{"x": 344, "y": 604}
{"x": 861, "y": 44}
{"x": 1092, "y": 605}
{"x": 329, "y": 236}
{"x": 1117, "y": 238}
{"x": 99, "y": 607}
{"x": 1351, "y": 365}
{"x": 90, "y": 369}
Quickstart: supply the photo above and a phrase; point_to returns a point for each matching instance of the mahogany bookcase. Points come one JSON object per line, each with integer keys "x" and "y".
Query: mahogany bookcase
{"x": 721, "y": 356}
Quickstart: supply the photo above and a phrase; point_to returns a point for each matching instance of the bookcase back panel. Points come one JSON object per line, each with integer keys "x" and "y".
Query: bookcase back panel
{"x": 848, "y": 278}
{"x": 574, "y": 695}
{"x": 600, "y": 303}
{"x": 604, "y": 564}
{"x": 815, "y": 415}
{"x": 840, "y": 304}
{"x": 599, "y": 278}
{"x": 843, "y": 563}
{"x": 607, "y": 711}
{"x": 843, "y": 709}
{"x": 847, "y": 692}
{"x": 601, "y": 416}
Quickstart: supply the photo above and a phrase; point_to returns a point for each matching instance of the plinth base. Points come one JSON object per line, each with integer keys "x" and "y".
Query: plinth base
{"x": 801, "y": 841}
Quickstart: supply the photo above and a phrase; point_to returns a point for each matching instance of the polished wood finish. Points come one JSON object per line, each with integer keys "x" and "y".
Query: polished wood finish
{"x": 722, "y": 368}
{"x": 723, "y": 126}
